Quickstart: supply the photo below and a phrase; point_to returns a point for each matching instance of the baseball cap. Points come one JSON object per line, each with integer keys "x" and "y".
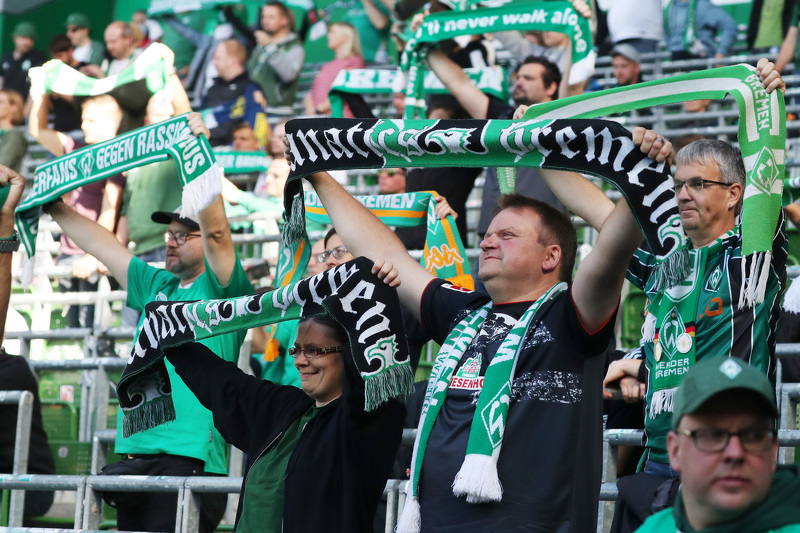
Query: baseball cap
{"x": 627, "y": 51}
{"x": 24, "y": 29}
{"x": 716, "y": 375}
{"x": 165, "y": 217}
{"x": 78, "y": 20}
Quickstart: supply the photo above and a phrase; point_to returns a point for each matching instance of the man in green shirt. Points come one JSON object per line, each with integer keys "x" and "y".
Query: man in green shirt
{"x": 200, "y": 264}
{"x": 724, "y": 444}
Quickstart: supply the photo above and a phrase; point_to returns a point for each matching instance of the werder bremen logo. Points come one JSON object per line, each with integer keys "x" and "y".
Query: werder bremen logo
{"x": 382, "y": 351}
{"x": 713, "y": 280}
{"x": 765, "y": 171}
{"x": 671, "y": 328}
{"x": 492, "y": 416}
{"x": 86, "y": 164}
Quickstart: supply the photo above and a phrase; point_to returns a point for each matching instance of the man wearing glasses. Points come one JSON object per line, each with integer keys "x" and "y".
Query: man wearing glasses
{"x": 201, "y": 264}
{"x": 724, "y": 444}
{"x": 700, "y": 318}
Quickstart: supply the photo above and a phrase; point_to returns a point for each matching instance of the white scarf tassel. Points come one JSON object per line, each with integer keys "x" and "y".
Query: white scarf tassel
{"x": 478, "y": 480}
{"x": 791, "y": 298}
{"x": 649, "y": 328}
{"x": 201, "y": 192}
{"x": 410, "y": 520}
{"x": 662, "y": 401}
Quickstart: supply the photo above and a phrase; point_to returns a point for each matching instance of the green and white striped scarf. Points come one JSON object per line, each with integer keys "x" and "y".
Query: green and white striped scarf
{"x": 59, "y": 78}
{"x": 172, "y": 138}
{"x": 491, "y": 80}
{"x": 168, "y": 7}
{"x": 545, "y": 16}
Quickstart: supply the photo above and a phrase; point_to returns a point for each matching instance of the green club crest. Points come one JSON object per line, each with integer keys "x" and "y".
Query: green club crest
{"x": 765, "y": 171}
{"x": 671, "y": 328}
{"x": 382, "y": 351}
{"x": 492, "y": 415}
{"x": 714, "y": 280}
{"x": 86, "y": 164}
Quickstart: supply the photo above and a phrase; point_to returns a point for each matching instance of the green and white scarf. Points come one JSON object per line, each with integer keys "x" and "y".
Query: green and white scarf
{"x": 762, "y": 141}
{"x": 57, "y": 77}
{"x": 491, "y": 80}
{"x": 443, "y": 256}
{"x": 367, "y": 308}
{"x": 241, "y": 162}
{"x": 167, "y": 7}
{"x": 545, "y": 16}
{"x": 477, "y": 479}
{"x": 172, "y": 138}
{"x": 690, "y": 42}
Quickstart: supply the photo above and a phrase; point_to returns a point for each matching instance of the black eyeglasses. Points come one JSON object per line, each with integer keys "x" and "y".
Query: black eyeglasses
{"x": 313, "y": 353}
{"x": 715, "y": 440}
{"x": 337, "y": 253}
{"x": 179, "y": 237}
{"x": 697, "y": 184}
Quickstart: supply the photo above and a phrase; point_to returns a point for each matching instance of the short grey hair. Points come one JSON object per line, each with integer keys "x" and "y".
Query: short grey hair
{"x": 728, "y": 159}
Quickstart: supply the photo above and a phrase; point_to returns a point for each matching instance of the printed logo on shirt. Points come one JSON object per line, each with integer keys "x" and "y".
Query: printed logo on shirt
{"x": 471, "y": 368}
{"x": 161, "y": 297}
{"x": 455, "y": 288}
{"x": 714, "y": 279}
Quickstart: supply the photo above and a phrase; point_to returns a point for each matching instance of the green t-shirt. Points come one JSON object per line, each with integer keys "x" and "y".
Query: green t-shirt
{"x": 770, "y": 27}
{"x": 184, "y": 50}
{"x": 262, "y": 507}
{"x": 153, "y": 187}
{"x": 664, "y": 522}
{"x": 13, "y": 147}
{"x": 192, "y": 433}
{"x": 371, "y": 38}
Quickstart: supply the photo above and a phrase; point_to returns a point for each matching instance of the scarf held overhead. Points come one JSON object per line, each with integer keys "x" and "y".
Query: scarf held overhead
{"x": 762, "y": 141}
{"x": 364, "y": 306}
{"x": 596, "y": 147}
{"x": 172, "y": 138}
{"x": 542, "y": 16}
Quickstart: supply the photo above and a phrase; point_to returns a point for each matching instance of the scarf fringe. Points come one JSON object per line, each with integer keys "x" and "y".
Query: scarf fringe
{"x": 478, "y": 480}
{"x": 649, "y": 328}
{"x": 754, "y": 286}
{"x": 662, "y": 401}
{"x": 294, "y": 229}
{"x": 27, "y": 272}
{"x": 201, "y": 192}
{"x": 391, "y": 383}
{"x": 147, "y": 416}
{"x": 410, "y": 520}
{"x": 672, "y": 270}
{"x": 791, "y": 298}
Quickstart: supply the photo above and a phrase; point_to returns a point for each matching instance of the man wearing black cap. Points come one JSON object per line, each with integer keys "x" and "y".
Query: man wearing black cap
{"x": 86, "y": 50}
{"x": 14, "y": 65}
{"x": 723, "y": 443}
{"x": 200, "y": 264}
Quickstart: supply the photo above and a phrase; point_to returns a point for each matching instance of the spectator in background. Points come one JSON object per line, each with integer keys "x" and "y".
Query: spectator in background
{"x": 231, "y": 84}
{"x": 638, "y": 23}
{"x": 151, "y": 30}
{"x": 277, "y": 57}
{"x": 119, "y": 39}
{"x": 344, "y": 41}
{"x": 274, "y": 179}
{"x": 86, "y": 50}
{"x": 244, "y": 139}
{"x": 392, "y": 181}
{"x": 14, "y": 65}
{"x": 98, "y": 201}
{"x": 15, "y": 374}
{"x": 66, "y": 116}
{"x": 185, "y": 47}
{"x": 626, "y": 62}
{"x": 371, "y": 19}
{"x": 714, "y": 31}
{"x": 13, "y": 144}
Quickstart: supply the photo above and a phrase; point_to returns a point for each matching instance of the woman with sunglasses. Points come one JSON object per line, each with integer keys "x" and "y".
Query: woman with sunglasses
{"x": 315, "y": 460}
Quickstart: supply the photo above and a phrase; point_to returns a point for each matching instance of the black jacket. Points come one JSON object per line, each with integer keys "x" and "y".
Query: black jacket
{"x": 339, "y": 467}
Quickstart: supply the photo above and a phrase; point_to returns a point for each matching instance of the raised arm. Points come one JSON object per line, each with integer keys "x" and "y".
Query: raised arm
{"x": 52, "y": 140}
{"x": 599, "y": 279}
{"x": 459, "y": 85}
{"x": 16, "y": 184}
{"x": 364, "y": 235}
{"x": 214, "y": 228}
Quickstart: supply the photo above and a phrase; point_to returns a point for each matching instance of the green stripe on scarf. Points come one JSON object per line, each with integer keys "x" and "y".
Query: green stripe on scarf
{"x": 762, "y": 140}
{"x": 477, "y": 479}
{"x": 544, "y": 16}
{"x": 491, "y": 80}
{"x": 241, "y": 162}
{"x": 364, "y": 306}
{"x": 169, "y": 139}
{"x": 63, "y": 79}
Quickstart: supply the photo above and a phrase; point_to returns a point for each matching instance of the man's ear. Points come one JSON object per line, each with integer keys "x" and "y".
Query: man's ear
{"x": 673, "y": 449}
{"x": 735, "y": 193}
{"x": 552, "y": 258}
{"x": 552, "y": 90}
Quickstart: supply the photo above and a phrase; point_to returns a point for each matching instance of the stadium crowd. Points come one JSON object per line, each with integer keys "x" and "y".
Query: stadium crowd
{"x": 168, "y": 159}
